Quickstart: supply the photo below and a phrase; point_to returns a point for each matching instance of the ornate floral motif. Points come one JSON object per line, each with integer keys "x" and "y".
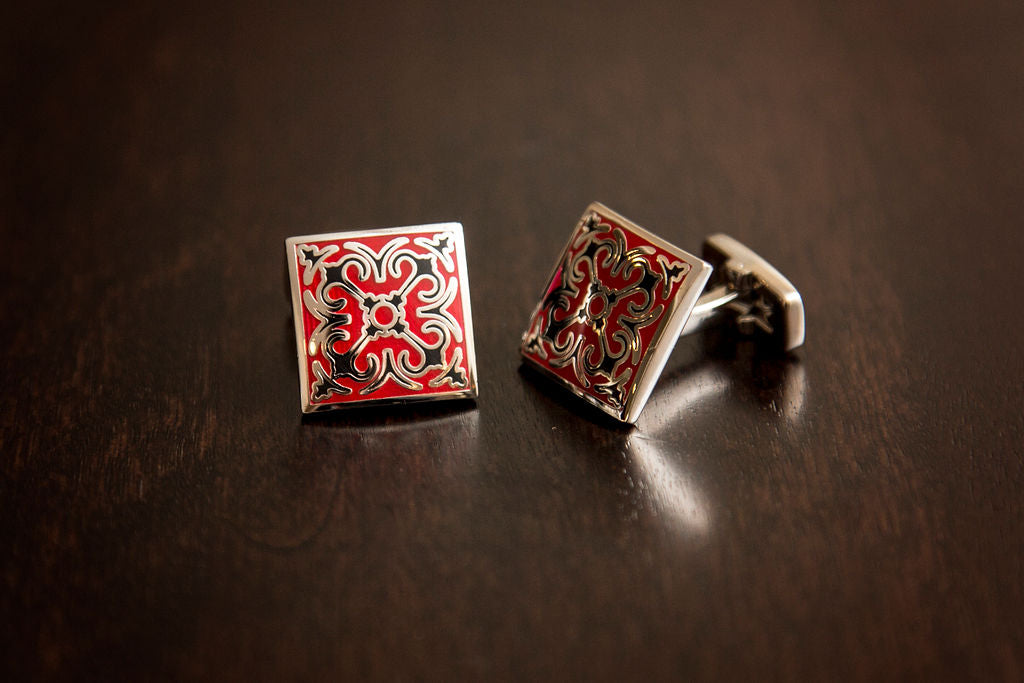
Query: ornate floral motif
{"x": 603, "y": 309}
{"x": 382, "y": 317}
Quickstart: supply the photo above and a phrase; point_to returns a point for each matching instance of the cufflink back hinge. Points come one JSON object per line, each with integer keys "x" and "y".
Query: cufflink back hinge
{"x": 749, "y": 292}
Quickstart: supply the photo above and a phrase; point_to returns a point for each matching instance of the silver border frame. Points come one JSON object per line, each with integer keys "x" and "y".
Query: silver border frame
{"x": 473, "y": 388}
{"x": 653, "y": 362}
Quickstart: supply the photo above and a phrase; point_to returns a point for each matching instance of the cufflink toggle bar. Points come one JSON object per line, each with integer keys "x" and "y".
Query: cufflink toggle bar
{"x": 750, "y": 293}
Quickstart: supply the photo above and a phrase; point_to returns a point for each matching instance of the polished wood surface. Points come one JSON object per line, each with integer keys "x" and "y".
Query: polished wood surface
{"x": 851, "y": 512}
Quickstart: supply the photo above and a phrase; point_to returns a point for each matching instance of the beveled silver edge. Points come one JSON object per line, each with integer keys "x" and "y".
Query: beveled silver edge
{"x": 300, "y": 346}
{"x": 375, "y": 232}
{"x": 472, "y": 392}
{"x": 653, "y": 362}
{"x": 467, "y": 312}
{"x": 661, "y": 348}
{"x": 778, "y": 284}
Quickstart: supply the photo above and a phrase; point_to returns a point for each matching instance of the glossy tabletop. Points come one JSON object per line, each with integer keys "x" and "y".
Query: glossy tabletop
{"x": 852, "y": 511}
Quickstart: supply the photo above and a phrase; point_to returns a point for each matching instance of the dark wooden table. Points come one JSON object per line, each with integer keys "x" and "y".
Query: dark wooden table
{"x": 851, "y": 512}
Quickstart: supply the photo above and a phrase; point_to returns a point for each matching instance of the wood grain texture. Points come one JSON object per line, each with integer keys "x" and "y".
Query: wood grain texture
{"x": 853, "y": 512}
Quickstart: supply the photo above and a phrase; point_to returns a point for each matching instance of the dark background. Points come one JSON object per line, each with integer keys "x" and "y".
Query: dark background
{"x": 851, "y": 512}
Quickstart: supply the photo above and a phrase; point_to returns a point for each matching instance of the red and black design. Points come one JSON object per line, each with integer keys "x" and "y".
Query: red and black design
{"x": 611, "y": 297}
{"x": 382, "y": 316}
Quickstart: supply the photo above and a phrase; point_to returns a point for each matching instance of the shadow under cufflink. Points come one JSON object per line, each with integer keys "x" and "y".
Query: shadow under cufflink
{"x": 384, "y": 415}
{"x": 766, "y": 372}
{"x": 715, "y": 362}
{"x": 553, "y": 395}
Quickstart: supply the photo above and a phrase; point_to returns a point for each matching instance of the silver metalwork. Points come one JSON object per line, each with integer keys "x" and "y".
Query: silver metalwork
{"x": 748, "y": 291}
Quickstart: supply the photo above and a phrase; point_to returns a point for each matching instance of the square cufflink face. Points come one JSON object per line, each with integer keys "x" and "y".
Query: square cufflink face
{"x": 382, "y": 316}
{"x": 614, "y": 306}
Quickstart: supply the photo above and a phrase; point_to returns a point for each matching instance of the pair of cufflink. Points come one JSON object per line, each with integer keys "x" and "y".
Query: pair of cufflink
{"x": 383, "y": 316}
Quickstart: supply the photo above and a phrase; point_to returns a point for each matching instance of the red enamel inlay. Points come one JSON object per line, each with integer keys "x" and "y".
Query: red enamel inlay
{"x": 390, "y": 321}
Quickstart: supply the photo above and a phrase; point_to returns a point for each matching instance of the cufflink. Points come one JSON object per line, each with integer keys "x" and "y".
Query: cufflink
{"x": 382, "y": 316}
{"x": 619, "y": 297}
